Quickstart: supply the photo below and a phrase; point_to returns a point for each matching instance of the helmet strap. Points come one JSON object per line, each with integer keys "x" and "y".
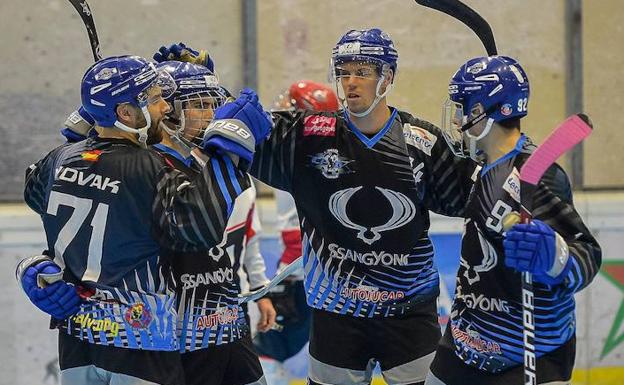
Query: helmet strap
{"x": 378, "y": 97}
{"x": 141, "y": 132}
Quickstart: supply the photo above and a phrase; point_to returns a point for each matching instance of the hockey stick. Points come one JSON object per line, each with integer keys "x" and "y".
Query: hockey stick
{"x": 469, "y": 17}
{"x": 254, "y": 295}
{"x": 569, "y": 133}
{"x": 87, "y": 18}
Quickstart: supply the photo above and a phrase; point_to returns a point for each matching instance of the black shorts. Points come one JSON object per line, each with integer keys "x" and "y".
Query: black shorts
{"x": 449, "y": 369}
{"x": 345, "y": 349}
{"x": 234, "y": 363}
{"x": 159, "y": 367}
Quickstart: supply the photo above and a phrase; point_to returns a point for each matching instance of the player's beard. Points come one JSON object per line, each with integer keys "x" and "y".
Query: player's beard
{"x": 154, "y": 133}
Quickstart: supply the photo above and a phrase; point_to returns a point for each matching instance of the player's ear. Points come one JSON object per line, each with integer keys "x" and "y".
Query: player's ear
{"x": 125, "y": 114}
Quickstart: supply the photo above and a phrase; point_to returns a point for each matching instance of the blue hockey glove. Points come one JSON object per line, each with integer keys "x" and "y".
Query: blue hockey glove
{"x": 180, "y": 52}
{"x": 238, "y": 127}
{"x": 538, "y": 249}
{"x": 58, "y": 299}
{"x": 78, "y": 126}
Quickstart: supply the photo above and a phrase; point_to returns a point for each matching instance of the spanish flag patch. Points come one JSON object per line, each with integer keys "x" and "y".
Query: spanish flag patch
{"x": 91, "y": 156}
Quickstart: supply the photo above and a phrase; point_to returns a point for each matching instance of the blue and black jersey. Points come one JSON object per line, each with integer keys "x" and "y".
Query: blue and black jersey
{"x": 363, "y": 206}
{"x": 108, "y": 207}
{"x": 485, "y": 329}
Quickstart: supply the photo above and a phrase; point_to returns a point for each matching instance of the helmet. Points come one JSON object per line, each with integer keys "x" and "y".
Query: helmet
{"x": 498, "y": 83}
{"x": 192, "y": 83}
{"x": 307, "y": 95}
{"x": 365, "y": 46}
{"x": 117, "y": 80}
{"x": 372, "y": 45}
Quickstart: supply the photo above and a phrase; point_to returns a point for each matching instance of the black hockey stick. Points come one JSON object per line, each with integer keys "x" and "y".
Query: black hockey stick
{"x": 469, "y": 17}
{"x": 571, "y": 132}
{"x": 87, "y": 18}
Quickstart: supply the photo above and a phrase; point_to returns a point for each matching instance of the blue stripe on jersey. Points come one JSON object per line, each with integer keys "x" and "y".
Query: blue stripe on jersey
{"x": 372, "y": 141}
{"x": 222, "y": 185}
{"x": 510, "y": 154}
{"x": 232, "y": 174}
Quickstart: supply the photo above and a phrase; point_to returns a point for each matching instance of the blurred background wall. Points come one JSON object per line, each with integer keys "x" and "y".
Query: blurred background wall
{"x": 44, "y": 51}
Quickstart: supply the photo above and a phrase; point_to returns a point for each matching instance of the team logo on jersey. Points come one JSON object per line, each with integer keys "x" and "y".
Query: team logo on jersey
{"x": 318, "y": 125}
{"x": 330, "y": 163}
{"x": 512, "y": 185}
{"x": 91, "y": 156}
{"x": 490, "y": 259}
{"x": 419, "y": 138}
{"x": 403, "y": 211}
{"x": 138, "y": 316}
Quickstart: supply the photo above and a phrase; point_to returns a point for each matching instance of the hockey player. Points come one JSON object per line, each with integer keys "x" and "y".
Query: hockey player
{"x": 108, "y": 205}
{"x": 363, "y": 180}
{"x": 214, "y": 335}
{"x": 483, "y": 343}
{"x": 289, "y": 299}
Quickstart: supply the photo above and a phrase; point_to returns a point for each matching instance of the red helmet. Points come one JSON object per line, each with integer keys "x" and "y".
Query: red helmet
{"x": 309, "y": 95}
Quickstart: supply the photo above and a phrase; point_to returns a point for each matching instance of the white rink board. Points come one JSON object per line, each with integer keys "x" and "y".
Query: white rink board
{"x": 28, "y": 350}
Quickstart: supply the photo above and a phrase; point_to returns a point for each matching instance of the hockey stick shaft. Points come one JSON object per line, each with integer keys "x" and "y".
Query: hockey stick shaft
{"x": 254, "y": 295}
{"x": 87, "y": 18}
{"x": 571, "y": 132}
{"x": 469, "y": 17}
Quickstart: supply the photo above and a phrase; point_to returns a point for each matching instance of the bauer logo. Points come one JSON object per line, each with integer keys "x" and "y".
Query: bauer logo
{"x": 476, "y": 68}
{"x": 419, "y": 138}
{"x": 349, "y": 49}
{"x": 317, "y": 125}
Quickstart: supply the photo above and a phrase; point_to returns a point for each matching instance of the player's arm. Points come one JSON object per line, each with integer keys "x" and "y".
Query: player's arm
{"x": 274, "y": 161}
{"x": 253, "y": 262}
{"x": 556, "y": 247}
{"x": 194, "y": 212}
{"x": 447, "y": 178}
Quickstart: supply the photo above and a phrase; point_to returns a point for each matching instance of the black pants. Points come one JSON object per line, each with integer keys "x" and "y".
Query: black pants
{"x": 234, "y": 363}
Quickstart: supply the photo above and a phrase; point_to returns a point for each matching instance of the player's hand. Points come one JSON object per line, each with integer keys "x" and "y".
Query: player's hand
{"x": 58, "y": 299}
{"x": 267, "y": 315}
{"x": 536, "y": 248}
{"x": 239, "y": 139}
{"x": 78, "y": 126}
{"x": 180, "y": 52}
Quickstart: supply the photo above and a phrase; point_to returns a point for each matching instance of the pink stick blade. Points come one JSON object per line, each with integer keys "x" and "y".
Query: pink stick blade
{"x": 569, "y": 133}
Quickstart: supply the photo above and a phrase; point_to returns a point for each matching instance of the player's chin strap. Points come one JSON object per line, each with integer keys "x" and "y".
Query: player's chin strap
{"x": 472, "y": 140}
{"x": 378, "y": 97}
{"x": 141, "y": 132}
{"x": 176, "y": 137}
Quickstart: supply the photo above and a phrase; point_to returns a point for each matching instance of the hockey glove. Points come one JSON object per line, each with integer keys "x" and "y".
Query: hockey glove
{"x": 78, "y": 126}
{"x": 180, "y": 52}
{"x": 538, "y": 249}
{"x": 58, "y": 299}
{"x": 238, "y": 127}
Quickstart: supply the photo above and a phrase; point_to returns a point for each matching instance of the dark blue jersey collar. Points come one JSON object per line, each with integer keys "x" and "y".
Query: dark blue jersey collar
{"x": 168, "y": 150}
{"x": 370, "y": 142}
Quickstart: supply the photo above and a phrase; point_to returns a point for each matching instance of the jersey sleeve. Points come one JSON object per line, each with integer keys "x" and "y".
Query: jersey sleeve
{"x": 38, "y": 176}
{"x": 552, "y": 204}
{"x": 447, "y": 178}
{"x": 253, "y": 262}
{"x": 192, "y": 213}
{"x": 274, "y": 159}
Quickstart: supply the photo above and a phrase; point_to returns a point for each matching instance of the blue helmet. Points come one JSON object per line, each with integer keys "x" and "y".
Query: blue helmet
{"x": 192, "y": 83}
{"x": 497, "y": 82}
{"x": 117, "y": 80}
{"x": 367, "y": 45}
